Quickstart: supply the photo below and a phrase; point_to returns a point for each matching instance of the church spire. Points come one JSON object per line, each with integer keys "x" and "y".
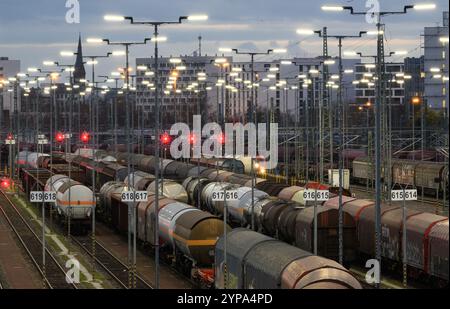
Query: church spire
{"x": 80, "y": 72}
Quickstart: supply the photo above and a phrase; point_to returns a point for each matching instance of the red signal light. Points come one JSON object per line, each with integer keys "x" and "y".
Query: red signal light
{"x": 5, "y": 183}
{"x": 165, "y": 139}
{"x": 10, "y": 137}
{"x": 221, "y": 138}
{"x": 85, "y": 137}
{"x": 192, "y": 138}
{"x": 59, "y": 137}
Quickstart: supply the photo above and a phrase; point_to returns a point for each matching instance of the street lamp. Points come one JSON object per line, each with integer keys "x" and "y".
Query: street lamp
{"x": 156, "y": 25}
{"x": 378, "y": 103}
{"x": 340, "y": 38}
{"x": 253, "y": 110}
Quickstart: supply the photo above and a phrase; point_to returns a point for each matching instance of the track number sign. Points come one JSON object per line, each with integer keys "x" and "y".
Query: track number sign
{"x": 134, "y": 196}
{"x": 316, "y": 195}
{"x": 40, "y": 196}
{"x": 407, "y": 195}
{"x": 221, "y": 195}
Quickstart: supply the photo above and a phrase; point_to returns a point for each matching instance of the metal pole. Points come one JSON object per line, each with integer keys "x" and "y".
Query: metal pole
{"x": 341, "y": 168}
{"x": 315, "y": 222}
{"x": 43, "y": 241}
{"x": 378, "y": 111}
{"x": 155, "y": 36}
{"x": 127, "y": 133}
{"x": 225, "y": 214}
{"x": 91, "y": 118}
{"x": 253, "y": 112}
{"x": 307, "y": 101}
{"x": 405, "y": 262}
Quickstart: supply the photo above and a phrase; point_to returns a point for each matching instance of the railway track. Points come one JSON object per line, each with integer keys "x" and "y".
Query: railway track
{"x": 55, "y": 275}
{"x": 110, "y": 263}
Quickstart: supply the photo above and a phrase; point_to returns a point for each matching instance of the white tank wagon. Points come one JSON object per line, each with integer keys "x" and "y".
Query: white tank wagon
{"x": 139, "y": 180}
{"x": 73, "y": 199}
{"x": 239, "y": 210}
{"x": 170, "y": 189}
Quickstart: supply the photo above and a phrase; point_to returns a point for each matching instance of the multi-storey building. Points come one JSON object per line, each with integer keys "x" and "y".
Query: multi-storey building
{"x": 178, "y": 102}
{"x": 394, "y": 93}
{"x": 226, "y": 94}
{"x": 414, "y": 86}
{"x": 8, "y": 93}
{"x": 436, "y": 65}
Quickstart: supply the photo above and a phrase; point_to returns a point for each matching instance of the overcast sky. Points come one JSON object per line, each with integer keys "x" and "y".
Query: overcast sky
{"x": 33, "y": 31}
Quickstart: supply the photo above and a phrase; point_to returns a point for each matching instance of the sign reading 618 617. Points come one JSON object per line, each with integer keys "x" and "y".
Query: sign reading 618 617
{"x": 316, "y": 195}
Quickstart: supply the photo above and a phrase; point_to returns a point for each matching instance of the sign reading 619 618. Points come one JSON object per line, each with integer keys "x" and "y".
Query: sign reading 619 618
{"x": 41, "y": 196}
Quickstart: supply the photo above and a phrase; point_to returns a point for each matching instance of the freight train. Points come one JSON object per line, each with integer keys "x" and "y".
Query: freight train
{"x": 256, "y": 261}
{"x": 192, "y": 240}
{"x": 432, "y": 177}
{"x": 280, "y": 211}
{"x": 73, "y": 201}
{"x": 282, "y": 221}
{"x": 427, "y": 237}
{"x": 188, "y": 238}
{"x": 197, "y": 191}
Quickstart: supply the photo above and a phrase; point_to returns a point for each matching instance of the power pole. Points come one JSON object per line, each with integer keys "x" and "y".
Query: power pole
{"x": 324, "y": 114}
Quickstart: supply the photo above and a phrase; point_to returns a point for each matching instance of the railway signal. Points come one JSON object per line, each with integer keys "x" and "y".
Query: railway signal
{"x": 165, "y": 139}
{"x": 59, "y": 137}
{"x": 10, "y": 139}
{"x": 6, "y": 183}
{"x": 85, "y": 137}
{"x": 221, "y": 138}
{"x": 192, "y": 139}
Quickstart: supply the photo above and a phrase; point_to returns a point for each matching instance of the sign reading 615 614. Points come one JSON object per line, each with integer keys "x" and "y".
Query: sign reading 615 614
{"x": 407, "y": 195}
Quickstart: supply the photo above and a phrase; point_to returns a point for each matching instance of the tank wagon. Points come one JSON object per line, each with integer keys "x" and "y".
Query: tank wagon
{"x": 284, "y": 219}
{"x": 256, "y": 261}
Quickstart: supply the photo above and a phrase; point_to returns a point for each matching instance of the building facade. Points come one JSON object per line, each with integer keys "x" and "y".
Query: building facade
{"x": 227, "y": 93}
{"x": 436, "y": 65}
{"x": 8, "y": 69}
{"x": 394, "y": 93}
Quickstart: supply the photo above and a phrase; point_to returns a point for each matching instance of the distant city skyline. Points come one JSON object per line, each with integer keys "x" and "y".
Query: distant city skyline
{"x": 36, "y": 31}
